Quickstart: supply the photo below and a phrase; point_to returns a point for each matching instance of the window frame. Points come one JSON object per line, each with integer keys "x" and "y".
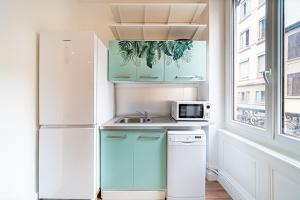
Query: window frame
{"x": 231, "y": 124}
{"x": 241, "y": 39}
{"x": 260, "y": 39}
{"x": 247, "y": 76}
{"x": 259, "y": 74}
{"x": 242, "y": 16}
{"x": 270, "y": 137}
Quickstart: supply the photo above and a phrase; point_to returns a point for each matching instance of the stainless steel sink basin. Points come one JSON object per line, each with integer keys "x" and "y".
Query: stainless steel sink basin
{"x": 137, "y": 120}
{"x": 126, "y": 120}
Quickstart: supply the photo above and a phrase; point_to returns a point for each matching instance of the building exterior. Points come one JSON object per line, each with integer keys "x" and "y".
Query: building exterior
{"x": 250, "y": 62}
{"x": 292, "y": 80}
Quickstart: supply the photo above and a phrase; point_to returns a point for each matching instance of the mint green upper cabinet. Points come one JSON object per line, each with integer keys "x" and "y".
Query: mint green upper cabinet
{"x": 119, "y": 69}
{"x": 151, "y": 61}
{"x": 150, "y": 161}
{"x": 151, "y": 68}
{"x": 186, "y": 64}
{"x": 117, "y": 160}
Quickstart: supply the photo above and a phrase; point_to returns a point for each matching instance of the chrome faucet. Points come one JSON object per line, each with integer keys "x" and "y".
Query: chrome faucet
{"x": 145, "y": 115}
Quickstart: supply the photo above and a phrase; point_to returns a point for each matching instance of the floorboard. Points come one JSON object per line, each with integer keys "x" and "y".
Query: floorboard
{"x": 214, "y": 191}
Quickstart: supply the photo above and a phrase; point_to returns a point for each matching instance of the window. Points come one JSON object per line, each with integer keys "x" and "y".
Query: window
{"x": 244, "y": 69}
{"x": 260, "y": 97}
{"x": 243, "y": 97}
{"x": 293, "y": 45}
{"x": 290, "y": 98}
{"x": 245, "y": 80}
{"x": 244, "y": 39}
{"x": 261, "y": 64}
{"x": 266, "y": 108}
{"x": 261, "y": 29}
{"x": 293, "y": 84}
{"x": 244, "y": 9}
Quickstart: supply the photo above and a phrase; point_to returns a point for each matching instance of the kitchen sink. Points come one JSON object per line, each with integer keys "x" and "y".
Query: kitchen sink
{"x": 126, "y": 120}
{"x": 132, "y": 120}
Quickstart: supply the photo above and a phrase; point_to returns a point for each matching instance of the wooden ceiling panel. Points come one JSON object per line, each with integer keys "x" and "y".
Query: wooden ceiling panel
{"x": 156, "y": 32}
{"x": 182, "y": 13}
{"x": 158, "y": 21}
{"x": 130, "y": 32}
{"x": 157, "y": 13}
{"x": 134, "y": 13}
{"x": 182, "y": 32}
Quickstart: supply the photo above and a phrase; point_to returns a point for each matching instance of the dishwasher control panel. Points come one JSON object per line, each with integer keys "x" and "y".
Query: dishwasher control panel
{"x": 186, "y": 137}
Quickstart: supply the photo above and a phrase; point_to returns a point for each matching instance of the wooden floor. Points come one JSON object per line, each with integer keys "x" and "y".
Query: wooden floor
{"x": 214, "y": 191}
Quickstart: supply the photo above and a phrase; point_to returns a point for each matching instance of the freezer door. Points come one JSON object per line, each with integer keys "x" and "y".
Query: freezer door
{"x": 66, "y": 78}
{"x": 67, "y": 163}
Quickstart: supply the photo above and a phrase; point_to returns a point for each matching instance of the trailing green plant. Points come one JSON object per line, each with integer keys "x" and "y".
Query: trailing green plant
{"x": 152, "y": 51}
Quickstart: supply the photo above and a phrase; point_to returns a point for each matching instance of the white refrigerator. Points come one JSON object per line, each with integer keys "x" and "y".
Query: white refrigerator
{"x": 74, "y": 99}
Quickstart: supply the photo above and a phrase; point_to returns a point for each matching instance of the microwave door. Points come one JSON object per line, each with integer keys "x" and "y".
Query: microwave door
{"x": 191, "y": 111}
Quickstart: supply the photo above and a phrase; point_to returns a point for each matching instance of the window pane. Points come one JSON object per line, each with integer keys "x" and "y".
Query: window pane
{"x": 261, "y": 64}
{"x": 244, "y": 69}
{"x": 262, "y": 28}
{"x": 291, "y": 69}
{"x": 249, "y": 63}
{"x": 244, "y": 9}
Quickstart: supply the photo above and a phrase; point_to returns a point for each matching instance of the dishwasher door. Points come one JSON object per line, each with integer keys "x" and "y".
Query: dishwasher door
{"x": 186, "y": 165}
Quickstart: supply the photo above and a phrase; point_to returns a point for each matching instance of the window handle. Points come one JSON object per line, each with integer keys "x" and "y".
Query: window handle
{"x": 267, "y": 75}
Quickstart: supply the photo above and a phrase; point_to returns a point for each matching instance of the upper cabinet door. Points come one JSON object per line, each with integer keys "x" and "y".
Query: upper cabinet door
{"x": 122, "y": 66}
{"x": 66, "y": 78}
{"x": 151, "y": 68}
{"x": 185, "y": 61}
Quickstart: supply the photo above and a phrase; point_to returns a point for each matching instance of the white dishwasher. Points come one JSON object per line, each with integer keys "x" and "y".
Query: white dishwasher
{"x": 186, "y": 165}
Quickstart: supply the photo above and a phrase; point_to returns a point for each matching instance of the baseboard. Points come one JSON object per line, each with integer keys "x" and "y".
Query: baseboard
{"x": 232, "y": 188}
{"x": 211, "y": 176}
{"x": 133, "y": 195}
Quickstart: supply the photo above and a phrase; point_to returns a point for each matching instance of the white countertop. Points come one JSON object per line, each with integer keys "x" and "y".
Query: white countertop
{"x": 161, "y": 123}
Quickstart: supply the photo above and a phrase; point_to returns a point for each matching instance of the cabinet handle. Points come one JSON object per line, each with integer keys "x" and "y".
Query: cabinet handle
{"x": 122, "y": 76}
{"x": 184, "y": 77}
{"x": 187, "y": 77}
{"x": 148, "y": 137}
{"x": 116, "y": 136}
{"x": 149, "y": 77}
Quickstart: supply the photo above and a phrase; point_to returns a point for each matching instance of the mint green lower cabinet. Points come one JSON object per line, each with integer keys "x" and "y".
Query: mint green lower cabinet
{"x": 133, "y": 160}
{"x": 190, "y": 67}
{"x": 118, "y": 70}
{"x": 117, "y": 160}
{"x": 150, "y": 161}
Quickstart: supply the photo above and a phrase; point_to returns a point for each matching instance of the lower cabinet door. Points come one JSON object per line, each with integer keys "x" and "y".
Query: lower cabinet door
{"x": 116, "y": 160}
{"x": 150, "y": 161}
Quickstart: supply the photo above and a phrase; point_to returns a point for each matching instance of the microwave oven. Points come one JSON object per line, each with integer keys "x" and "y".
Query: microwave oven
{"x": 190, "y": 110}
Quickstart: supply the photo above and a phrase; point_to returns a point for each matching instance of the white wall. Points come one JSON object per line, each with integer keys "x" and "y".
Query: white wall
{"x": 20, "y": 22}
{"x": 252, "y": 171}
{"x": 153, "y": 98}
{"x": 216, "y": 76}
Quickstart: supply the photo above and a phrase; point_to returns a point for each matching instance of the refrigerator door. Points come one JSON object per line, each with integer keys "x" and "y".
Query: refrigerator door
{"x": 67, "y": 78}
{"x": 67, "y": 163}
